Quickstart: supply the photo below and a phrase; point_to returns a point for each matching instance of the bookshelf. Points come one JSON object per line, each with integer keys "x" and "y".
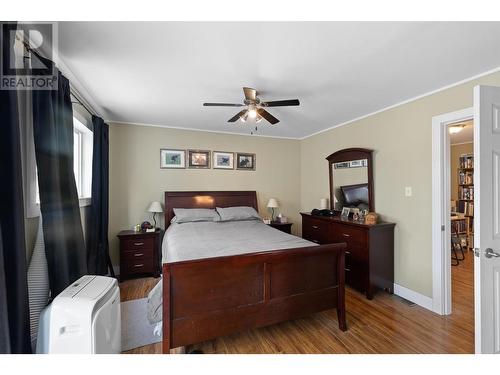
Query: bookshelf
{"x": 465, "y": 202}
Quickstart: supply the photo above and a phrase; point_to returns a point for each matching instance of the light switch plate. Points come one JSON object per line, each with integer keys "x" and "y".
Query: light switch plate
{"x": 408, "y": 191}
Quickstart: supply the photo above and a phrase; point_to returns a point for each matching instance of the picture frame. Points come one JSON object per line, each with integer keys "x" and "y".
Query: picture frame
{"x": 245, "y": 161}
{"x": 172, "y": 158}
{"x": 345, "y": 212}
{"x": 223, "y": 160}
{"x": 198, "y": 159}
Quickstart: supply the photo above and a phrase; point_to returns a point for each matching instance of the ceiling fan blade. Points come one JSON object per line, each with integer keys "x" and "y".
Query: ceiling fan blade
{"x": 269, "y": 117}
{"x": 281, "y": 103}
{"x": 237, "y": 116}
{"x": 250, "y": 94}
{"x": 222, "y": 105}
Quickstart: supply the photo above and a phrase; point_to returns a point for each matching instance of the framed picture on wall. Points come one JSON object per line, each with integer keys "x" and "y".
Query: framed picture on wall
{"x": 172, "y": 159}
{"x": 245, "y": 162}
{"x": 198, "y": 159}
{"x": 223, "y": 160}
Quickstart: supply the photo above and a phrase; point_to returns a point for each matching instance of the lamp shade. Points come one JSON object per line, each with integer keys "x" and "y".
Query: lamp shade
{"x": 273, "y": 203}
{"x": 155, "y": 207}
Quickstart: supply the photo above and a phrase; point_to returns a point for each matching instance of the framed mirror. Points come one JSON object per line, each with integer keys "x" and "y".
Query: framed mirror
{"x": 351, "y": 179}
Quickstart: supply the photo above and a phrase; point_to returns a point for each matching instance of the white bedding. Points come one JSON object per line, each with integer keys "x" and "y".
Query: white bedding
{"x": 200, "y": 240}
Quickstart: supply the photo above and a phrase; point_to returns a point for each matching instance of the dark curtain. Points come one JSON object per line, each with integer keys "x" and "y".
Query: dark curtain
{"x": 97, "y": 225}
{"x": 62, "y": 226}
{"x": 14, "y": 308}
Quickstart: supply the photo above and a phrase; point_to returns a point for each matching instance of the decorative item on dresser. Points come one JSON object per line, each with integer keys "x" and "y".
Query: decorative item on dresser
{"x": 369, "y": 257}
{"x": 284, "y": 227}
{"x": 139, "y": 253}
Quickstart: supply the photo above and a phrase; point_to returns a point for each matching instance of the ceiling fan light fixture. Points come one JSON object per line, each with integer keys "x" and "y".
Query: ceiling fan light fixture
{"x": 252, "y": 112}
{"x": 244, "y": 117}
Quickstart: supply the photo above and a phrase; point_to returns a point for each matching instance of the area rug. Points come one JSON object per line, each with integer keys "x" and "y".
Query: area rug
{"x": 136, "y": 329}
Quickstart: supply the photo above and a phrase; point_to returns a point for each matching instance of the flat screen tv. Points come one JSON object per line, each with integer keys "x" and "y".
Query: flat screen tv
{"x": 355, "y": 195}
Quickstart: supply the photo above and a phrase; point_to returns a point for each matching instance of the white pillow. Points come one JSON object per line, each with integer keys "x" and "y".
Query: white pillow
{"x": 188, "y": 215}
{"x": 238, "y": 213}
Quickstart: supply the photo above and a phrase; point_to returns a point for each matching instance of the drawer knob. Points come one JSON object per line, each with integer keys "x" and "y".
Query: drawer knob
{"x": 138, "y": 243}
{"x": 347, "y": 269}
{"x": 315, "y": 241}
{"x": 346, "y": 235}
{"x": 347, "y": 253}
{"x": 315, "y": 227}
{"x": 138, "y": 265}
{"x": 138, "y": 254}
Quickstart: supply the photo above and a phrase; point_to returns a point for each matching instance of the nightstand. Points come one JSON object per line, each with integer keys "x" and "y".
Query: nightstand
{"x": 284, "y": 227}
{"x": 139, "y": 253}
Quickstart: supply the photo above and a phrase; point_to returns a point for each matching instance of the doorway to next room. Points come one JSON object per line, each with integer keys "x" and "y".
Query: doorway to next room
{"x": 462, "y": 219}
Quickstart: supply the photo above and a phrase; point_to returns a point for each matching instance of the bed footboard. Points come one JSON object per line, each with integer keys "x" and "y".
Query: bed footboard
{"x": 208, "y": 298}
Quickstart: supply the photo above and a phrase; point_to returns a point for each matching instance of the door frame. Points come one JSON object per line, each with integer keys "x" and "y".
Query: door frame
{"x": 441, "y": 195}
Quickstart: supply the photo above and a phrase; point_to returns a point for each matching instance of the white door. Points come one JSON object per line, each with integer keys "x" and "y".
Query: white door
{"x": 487, "y": 218}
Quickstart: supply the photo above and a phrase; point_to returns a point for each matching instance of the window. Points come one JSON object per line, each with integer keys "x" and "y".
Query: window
{"x": 83, "y": 144}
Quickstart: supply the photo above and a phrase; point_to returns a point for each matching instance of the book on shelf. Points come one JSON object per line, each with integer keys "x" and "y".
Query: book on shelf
{"x": 465, "y": 207}
{"x": 466, "y": 193}
{"x": 465, "y": 177}
{"x": 466, "y": 161}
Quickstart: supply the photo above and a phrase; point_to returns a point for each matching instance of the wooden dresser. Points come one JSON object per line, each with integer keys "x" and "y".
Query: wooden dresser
{"x": 139, "y": 253}
{"x": 369, "y": 262}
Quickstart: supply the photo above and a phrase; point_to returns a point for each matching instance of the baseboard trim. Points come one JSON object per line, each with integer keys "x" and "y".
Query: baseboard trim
{"x": 411, "y": 295}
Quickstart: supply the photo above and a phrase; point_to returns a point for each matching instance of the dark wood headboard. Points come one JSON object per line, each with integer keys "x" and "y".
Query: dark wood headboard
{"x": 206, "y": 199}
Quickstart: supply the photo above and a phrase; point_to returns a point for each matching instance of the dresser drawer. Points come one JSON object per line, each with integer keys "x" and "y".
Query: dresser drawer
{"x": 315, "y": 230}
{"x": 355, "y": 237}
{"x": 137, "y": 243}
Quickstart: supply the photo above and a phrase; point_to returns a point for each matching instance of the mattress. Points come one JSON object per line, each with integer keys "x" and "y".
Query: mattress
{"x": 200, "y": 240}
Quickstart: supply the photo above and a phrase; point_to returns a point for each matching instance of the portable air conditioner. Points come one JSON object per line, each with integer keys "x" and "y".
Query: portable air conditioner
{"x": 84, "y": 318}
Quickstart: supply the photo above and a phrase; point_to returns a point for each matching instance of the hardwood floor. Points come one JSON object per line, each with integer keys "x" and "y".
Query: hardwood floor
{"x": 387, "y": 324}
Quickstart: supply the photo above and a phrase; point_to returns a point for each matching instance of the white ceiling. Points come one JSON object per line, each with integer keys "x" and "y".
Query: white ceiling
{"x": 160, "y": 73}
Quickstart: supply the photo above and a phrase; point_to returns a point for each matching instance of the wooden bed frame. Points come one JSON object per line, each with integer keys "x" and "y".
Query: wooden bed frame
{"x": 207, "y": 298}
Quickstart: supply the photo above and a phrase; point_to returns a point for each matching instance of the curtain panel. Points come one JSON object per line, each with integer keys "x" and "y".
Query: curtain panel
{"x": 59, "y": 205}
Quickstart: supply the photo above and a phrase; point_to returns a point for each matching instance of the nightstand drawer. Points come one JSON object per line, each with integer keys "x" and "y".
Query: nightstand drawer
{"x": 138, "y": 266}
{"x": 136, "y": 255}
{"x": 137, "y": 243}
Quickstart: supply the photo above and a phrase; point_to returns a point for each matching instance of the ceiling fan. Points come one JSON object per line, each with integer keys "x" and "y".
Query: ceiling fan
{"x": 255, "y": 108}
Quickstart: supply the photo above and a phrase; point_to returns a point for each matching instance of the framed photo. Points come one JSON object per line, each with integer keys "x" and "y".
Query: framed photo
{"x": 223, "y": 160}
{"x": 198, "y": 159}
{"x": 245, "y": 161}
{"x": 345, "y": 212}
{"x": 174, "y": 159}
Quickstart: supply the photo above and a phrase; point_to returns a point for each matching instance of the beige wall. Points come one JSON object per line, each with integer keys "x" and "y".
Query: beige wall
{"x": 455, "y": 152}
{"x": 401, "y": 140}
{"x": 135, "y": 177}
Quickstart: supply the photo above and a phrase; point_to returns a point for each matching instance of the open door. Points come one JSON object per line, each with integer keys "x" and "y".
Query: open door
{"x": 487, "y": 212}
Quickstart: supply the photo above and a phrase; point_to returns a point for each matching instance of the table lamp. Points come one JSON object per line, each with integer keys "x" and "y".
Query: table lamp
{"x": 273, "y": 203}
{"x": 155, "y": 207}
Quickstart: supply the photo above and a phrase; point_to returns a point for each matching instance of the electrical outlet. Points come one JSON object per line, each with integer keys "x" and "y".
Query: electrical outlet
{"x": 408, "y": 191}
